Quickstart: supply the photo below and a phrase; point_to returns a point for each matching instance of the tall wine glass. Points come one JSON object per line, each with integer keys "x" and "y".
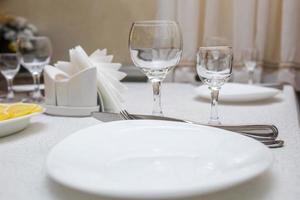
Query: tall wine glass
{"x": 155, "y": 47}
{"x": 9, "y": 67}
{"x": 250, "y": 58}
{"x": 35, "y": 55}
{"x": 214, "y": 67}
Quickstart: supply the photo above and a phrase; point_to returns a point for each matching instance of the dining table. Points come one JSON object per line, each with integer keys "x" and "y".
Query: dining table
{"x": 23, "y": 172}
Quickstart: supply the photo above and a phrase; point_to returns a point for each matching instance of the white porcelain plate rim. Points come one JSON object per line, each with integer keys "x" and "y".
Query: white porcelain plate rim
{"x": 70, "y": 111}
{"x": 239, "y": 93}
{"x": 58, "y": 158}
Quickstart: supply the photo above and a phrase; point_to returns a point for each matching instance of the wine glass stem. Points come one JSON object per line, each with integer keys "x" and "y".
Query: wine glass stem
{"x": 10, "y": 93}
{"x": 156, "y": 85}
{"x": 36, "y": 81}
{"x": 214, "y": 118}
{"x": 251, "y": 76}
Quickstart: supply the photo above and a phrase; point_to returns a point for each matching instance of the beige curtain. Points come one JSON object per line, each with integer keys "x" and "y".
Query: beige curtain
{"x": 271, "y": 26}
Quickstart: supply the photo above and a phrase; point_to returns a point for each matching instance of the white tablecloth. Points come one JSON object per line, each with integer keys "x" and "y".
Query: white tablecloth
{"x": 23, "y": 155}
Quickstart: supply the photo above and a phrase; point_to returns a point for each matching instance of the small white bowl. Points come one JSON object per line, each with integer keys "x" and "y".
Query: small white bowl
{"x": 10, "y": 126}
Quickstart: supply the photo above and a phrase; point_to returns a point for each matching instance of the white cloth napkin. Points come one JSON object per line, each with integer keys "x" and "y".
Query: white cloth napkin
{"x": 109, "y": 87}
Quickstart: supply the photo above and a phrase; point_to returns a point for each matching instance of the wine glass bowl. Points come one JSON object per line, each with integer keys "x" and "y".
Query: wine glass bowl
{"x": 35, "y": 55}
{"x": 214, "y": 67}
{"x": 9, "y": 67}
{"x": 155, "y": 63}
{"x": 155, "y": 47}
{"x": 250, "y": 56}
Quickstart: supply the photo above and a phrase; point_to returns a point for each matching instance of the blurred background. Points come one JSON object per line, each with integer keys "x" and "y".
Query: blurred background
{"x": 270, "y": 26}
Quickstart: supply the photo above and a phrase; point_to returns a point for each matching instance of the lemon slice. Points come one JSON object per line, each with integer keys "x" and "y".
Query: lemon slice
{"x": 37, "y": 109}
{"x": 21, "y": 109}
{"x": 4, "y": 116}
{"x": 9, "y": 111}
{"x": 3, "y": 107}
{"x": 3, "y": 113}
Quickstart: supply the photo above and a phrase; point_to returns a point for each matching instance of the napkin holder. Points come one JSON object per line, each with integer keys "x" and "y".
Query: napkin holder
{"x": 74, "y": 95}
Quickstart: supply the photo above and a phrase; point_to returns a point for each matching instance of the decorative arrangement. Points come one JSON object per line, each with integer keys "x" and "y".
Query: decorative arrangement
{"x": 12, "y": 27}
{"x": 71, "y": 88}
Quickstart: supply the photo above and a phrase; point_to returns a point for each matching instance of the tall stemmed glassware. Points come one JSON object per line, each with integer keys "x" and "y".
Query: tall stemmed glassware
{"x": 155, "y": 47}
{"x": 214, "y": 67}
{"x": 250, "y": 58}
{"x": 35, "y": 55}
{"x": 9, "y": 67}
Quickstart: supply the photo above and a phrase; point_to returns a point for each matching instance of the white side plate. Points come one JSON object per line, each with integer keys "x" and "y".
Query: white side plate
{"x": 10, "y": 126}
{"x": 155, "y": 159}
{"x": 236, "y": 92}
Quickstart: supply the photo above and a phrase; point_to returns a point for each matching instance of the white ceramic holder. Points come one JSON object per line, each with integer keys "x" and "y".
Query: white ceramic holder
{"x": 74, "y": 95}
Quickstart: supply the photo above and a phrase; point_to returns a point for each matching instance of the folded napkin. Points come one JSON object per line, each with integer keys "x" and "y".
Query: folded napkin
{"x": 79, "y": 70}
{"x": 76, "y": 90}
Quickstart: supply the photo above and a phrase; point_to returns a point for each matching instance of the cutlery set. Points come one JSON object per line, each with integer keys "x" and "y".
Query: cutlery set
{"x": 267, "y": 134}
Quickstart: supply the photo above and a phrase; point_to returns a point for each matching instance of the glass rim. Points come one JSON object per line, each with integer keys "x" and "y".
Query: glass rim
{"x": 153, "y": 22}
{"x": 215, "y": 48}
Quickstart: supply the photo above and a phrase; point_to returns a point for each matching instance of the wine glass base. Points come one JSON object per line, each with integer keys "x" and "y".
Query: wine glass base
{"x": 214, "y": 122}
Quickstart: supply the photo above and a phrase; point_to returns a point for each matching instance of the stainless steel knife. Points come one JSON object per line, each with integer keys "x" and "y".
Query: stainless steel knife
{"x": 259, "y": 130}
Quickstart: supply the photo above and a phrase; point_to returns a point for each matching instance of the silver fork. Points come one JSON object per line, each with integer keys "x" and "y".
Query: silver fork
{"x": 267, "y": 139}
{"x": 125, "y": 115}
{"x": 254, "y": 130}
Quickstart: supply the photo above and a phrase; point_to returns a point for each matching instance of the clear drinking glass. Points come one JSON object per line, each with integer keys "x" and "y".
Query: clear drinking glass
{"x": 9, "y": 67}
{"x": 250, "y": 58}
{"x": 214, "y": 67}
{"x": 155, "y": 47}
{"x": 35, "y": 55}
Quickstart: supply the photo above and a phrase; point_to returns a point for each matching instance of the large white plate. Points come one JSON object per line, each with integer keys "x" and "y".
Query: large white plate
{"x": 10, "y": 126}
{"x": 236, "y": 92}
{"x": 155, "y": 159}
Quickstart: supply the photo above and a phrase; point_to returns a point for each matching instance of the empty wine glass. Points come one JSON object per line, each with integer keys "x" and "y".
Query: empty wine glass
{"x": 250, "y": 58}
{"x": 35, "y": 55}
{"x": 214, "y": 67}
{"x": 9, "y": 67}
{"x": 155, "y": 47}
